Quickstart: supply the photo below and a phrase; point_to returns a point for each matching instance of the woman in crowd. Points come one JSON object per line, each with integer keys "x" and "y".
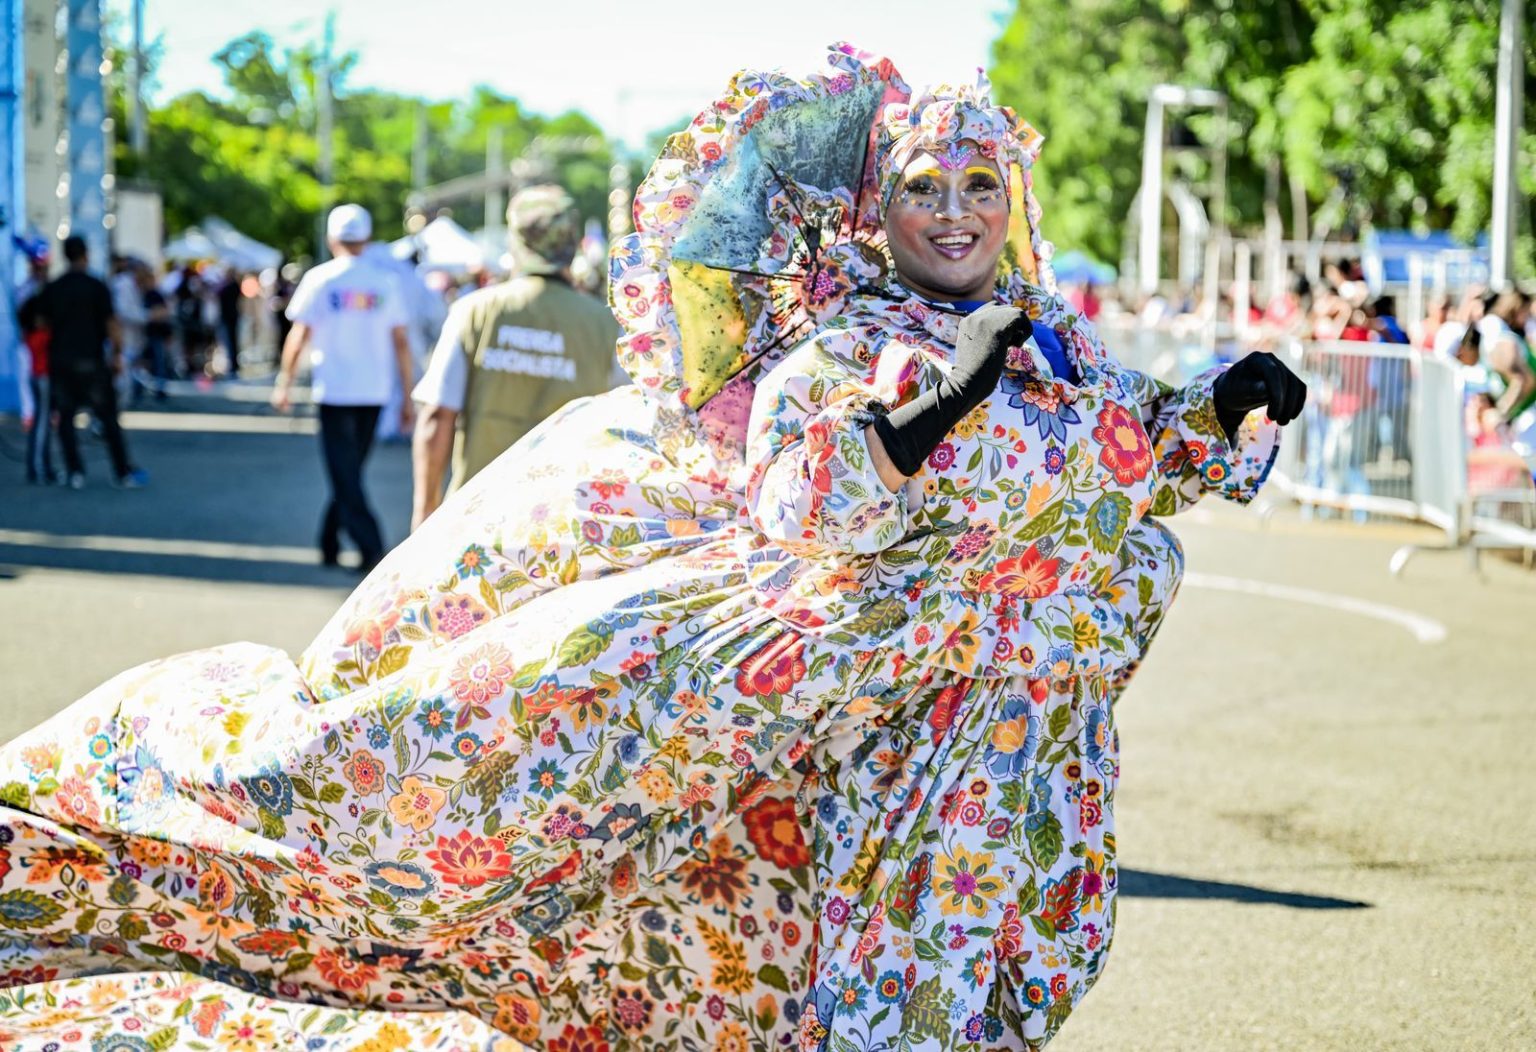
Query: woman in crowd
{"x": 782, "y": 717}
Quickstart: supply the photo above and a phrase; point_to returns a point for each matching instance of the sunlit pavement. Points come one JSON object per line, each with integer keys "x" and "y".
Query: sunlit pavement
{"x": 1327, "y": 823}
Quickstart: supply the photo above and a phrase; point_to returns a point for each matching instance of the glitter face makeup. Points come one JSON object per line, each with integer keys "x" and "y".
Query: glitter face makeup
{"x": 921, "y": 189}
{"x": 955, "y": 157}
{"x": 947, "y": 222}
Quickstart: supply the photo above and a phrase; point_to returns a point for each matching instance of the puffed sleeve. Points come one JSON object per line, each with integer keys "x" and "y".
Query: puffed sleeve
{"x": 813, "y": 487}
{"x": 1191, "y": 454}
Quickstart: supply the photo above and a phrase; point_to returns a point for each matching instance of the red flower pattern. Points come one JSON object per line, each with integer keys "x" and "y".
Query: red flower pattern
{"x": 774, "y": 668}
{"x": 774, "y": 829}
{"x": 468, "y": 860}
{"x": 1126, "y": 454}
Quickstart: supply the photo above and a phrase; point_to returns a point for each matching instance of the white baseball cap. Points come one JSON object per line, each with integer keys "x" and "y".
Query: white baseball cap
{"x": 349, "y": 223}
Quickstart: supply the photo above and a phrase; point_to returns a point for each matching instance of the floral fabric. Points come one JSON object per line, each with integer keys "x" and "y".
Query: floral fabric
{"x": 158, "y": 1010}
{"x": 673, "y": 729}
{"x": 580, "y": 761}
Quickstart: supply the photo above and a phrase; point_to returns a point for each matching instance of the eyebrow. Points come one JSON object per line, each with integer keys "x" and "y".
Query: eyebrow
{"x": 931, "y": 173}
{"x": 980, "y": 169}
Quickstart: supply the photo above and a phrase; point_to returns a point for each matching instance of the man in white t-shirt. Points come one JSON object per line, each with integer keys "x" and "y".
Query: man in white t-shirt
{"x": 425, "y": 313}
{"x": 351, "y": 314}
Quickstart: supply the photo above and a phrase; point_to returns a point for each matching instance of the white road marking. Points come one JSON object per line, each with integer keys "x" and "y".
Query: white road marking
{"x": 223, "y": 423}
{"x": 1424, "y": 629}
{"x": 257, "y": 553}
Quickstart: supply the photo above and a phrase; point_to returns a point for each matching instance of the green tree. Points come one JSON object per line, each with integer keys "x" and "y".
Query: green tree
{"x": 1399, "y": 101}
{"x": 254, "y": 75}
{"x": 1382, "y": 110}
{"x": 252, "y": 156}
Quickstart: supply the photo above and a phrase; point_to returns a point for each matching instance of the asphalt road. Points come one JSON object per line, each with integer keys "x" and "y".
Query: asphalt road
{"x": 1327, "y": 816}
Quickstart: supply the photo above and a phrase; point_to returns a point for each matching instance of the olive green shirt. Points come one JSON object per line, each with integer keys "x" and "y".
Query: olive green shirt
{"x": 509, "y": 356}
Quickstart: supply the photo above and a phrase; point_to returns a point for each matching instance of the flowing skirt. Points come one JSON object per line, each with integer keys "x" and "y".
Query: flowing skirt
{"x": 553, "y": 766}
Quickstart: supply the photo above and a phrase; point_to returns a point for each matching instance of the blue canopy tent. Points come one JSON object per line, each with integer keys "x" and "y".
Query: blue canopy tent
{"x": 1078, "y": 268}
{"x": 1387, "y": 252}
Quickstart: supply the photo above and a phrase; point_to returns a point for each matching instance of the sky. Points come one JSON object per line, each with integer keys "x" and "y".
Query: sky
{"x": 633, "y": 67}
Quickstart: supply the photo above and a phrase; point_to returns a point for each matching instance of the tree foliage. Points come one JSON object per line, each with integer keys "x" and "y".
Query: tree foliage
{"x": 1382, "y": 110}
{"x": 253, "y": 158}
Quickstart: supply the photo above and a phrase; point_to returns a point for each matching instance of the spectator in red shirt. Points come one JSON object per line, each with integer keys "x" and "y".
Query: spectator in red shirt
{"x": 36, "y": 336}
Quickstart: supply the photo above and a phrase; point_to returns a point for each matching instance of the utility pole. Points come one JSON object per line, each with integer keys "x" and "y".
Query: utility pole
{"x": 419, "y": 149}
{"x": 495, "y": 203}
{"x": 138, "y": 128}
{"x": 1506, "y": 143}
{"x": 1154, "y": 148}
{"x": 324, "y": 127}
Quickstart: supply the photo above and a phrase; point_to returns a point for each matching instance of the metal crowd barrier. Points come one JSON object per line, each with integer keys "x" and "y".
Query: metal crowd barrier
{"x": 1383, "y": 434}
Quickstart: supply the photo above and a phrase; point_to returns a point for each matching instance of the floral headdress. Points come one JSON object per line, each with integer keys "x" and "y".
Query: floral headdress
{"x": 939, "y": 118}
{"x": 697, "y": 335}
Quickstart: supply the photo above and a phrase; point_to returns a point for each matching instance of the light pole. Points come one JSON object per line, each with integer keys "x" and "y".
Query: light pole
{"x": 1506, "y": 143}
{"x": 324, "y": 122}
{"x": 1147, "y": 263}
{"x": 138, "y": 127}
{"x": 495, "y": 201}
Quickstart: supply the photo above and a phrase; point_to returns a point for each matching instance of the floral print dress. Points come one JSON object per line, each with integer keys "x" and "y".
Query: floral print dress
{"x": 617, "y": 753}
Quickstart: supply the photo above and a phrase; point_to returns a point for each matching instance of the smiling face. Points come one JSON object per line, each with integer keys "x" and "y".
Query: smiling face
{"x": 946, "y": 224}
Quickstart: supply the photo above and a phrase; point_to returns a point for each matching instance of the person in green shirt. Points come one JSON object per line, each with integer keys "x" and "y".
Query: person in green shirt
{"x": 1506, "y": 354}
{"x": 511, "y": 354}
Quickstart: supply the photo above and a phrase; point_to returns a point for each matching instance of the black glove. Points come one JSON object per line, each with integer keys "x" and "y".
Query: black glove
{"x": 1259, "y": 379}
{"x": 910, "y": 432}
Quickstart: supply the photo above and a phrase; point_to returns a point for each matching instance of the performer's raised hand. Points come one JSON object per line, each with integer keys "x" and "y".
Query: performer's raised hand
{"x": 1258, "y": 380}
{"x": 911, "y": 431}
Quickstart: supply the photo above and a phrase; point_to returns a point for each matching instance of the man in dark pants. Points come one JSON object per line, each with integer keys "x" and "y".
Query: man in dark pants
{"x": 229, "y": 318}
{"x": 78, "y": 310}
{"x": 351, "y": 315}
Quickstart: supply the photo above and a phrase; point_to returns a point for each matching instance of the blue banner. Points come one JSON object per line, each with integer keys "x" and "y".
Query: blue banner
{"x": 87, "y": 143}
{"x": 11, "y": 211}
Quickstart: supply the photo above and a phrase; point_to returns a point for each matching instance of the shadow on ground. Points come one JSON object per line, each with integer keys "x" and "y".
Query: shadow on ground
{"x": 236, "y": 503}
{"x": 1166, "y": 886}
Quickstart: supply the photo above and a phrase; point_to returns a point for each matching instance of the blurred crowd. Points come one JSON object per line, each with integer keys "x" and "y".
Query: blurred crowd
{"x": 1489, "y": 333}
{"x": 206, "y": 321}
{"x": 1366, "y": 432}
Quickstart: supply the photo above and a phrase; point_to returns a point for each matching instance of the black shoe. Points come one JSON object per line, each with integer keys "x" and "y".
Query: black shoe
{"x": 330, "y": 559}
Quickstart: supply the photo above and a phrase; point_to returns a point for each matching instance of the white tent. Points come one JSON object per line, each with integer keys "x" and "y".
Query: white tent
{"x": 216, "y": 240}
{"x": 193, "y": 244}
{"x": 493, "y": 243}
{"x": 443, "y": 245}
{"x": 240, "y": 249}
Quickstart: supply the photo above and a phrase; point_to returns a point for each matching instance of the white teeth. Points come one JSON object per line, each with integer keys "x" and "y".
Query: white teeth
{"x": 955, "y": 239}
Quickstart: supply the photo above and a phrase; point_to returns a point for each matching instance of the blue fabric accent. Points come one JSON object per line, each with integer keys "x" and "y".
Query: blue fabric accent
{"x": 1050, "y": 345}
{"x": 1045, "y": 338}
